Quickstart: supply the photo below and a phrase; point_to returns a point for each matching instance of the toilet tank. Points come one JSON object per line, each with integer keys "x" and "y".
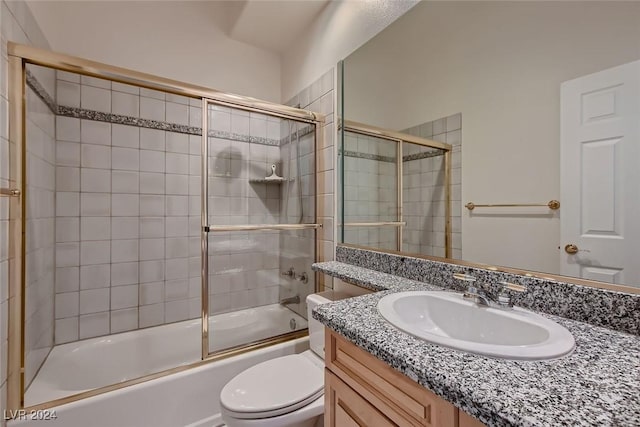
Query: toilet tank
{"x": 316, "y": 329}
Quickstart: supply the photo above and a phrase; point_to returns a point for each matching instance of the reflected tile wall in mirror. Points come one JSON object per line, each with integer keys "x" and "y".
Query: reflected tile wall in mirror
{"x": 371, "y": 189}
{"x": 424, "y": 192}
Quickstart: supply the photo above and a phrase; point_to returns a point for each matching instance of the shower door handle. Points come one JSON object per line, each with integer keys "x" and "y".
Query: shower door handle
{"x": 253, "y": 227}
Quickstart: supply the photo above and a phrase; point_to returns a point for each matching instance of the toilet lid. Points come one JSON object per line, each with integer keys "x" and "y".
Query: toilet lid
{"x": 274, "y": 387}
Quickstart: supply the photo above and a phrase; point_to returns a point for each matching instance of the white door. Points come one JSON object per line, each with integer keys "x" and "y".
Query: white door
{"x": 600, "y": 175}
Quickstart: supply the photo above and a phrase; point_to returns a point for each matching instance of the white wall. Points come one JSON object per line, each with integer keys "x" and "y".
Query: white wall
{"x": 178, "y": 40}
{"x": 500, "y": 64}
{"x": 341, "y": 28}
{"x": 184, "y": 41}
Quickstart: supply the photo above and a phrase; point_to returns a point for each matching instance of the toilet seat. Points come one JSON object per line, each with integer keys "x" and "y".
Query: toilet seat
{"x": 275, "y": 387}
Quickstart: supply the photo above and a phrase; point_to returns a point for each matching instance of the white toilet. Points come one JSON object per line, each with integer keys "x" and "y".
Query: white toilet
{"x": 287, "y": 391}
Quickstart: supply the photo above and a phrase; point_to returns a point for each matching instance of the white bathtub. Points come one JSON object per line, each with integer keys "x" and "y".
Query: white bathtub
{"x": 84, "y": 365}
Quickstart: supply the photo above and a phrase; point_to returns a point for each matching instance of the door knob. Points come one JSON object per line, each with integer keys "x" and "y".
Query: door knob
{"x": 571, "y": 249}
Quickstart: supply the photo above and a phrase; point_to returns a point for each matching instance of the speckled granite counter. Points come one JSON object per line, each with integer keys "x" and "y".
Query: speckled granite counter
{"x": 597, "y": 385}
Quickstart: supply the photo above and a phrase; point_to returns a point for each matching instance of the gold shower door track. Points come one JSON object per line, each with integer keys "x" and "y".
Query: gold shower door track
{"x": 21, "y": 55}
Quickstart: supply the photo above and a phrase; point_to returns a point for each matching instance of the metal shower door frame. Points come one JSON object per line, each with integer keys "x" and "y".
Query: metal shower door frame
{"x": 207, "y": 228}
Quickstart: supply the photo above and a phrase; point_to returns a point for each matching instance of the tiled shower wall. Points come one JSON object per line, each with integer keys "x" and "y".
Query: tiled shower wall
{"x": 370, "y": 189}
{"x": 137, "y": 193}
{"x": 127, "y": 211}
{"x": 424, "y": 195}
{"x": 424, "y": 200}
{"x": 16, "y": 24}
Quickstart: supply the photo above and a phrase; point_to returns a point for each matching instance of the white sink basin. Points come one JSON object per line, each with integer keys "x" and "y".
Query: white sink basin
{"x": 447, "y": 319}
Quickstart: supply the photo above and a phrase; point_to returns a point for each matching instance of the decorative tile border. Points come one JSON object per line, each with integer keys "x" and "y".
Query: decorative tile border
{"x": 297, "y": 134}
{"x": 41, "y": 92}
{"x": 611, "y": 309}
{"x": 241, "y": 138}
{"x": 368, "y": 156}
{"x": 423, "y": 155}
{"x": 389, "y": 159}
{"x": 83, "y": 113}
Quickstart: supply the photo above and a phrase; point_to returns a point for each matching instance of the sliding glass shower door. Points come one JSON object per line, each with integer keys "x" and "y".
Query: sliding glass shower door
{"x": 258, "y": 226}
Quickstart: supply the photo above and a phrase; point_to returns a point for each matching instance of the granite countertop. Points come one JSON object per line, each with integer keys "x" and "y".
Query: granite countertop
{"x": 597, "y": 385}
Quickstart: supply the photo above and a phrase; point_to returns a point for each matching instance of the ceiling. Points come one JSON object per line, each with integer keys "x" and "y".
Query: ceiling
{"x": 270, "y": 24}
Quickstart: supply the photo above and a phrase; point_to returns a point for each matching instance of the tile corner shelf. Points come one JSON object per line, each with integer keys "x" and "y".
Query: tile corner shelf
{"x": 268, "y": 181}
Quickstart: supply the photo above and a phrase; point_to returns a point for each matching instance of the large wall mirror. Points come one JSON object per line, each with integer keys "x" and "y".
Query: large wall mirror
{"x": 538, "y": 104}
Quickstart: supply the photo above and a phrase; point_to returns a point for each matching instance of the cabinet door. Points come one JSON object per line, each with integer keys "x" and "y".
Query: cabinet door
{"x": 467, "y": 420}
{"x": 401, "y": 400}
{"x": 346, "y": 408}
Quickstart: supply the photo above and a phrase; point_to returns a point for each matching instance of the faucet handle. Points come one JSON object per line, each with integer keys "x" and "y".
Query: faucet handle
{"x": 513, "y": 287}
{"x": 504, "y": 299}
{"x": 289, "y": 273}
{"x": 472, "y": 292}
{"x": 464, "y": 277}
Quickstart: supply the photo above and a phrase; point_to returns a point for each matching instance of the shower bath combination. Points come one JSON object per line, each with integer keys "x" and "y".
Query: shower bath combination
{"x": 169, "y": 226}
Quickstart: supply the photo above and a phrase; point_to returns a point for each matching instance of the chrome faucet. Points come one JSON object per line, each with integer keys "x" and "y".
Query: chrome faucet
{"x": 289, "y": 273}
{"x": 483, "y": 299}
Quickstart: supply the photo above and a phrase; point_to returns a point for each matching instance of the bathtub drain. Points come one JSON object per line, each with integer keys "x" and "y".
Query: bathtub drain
{"x": 292, "y": 324}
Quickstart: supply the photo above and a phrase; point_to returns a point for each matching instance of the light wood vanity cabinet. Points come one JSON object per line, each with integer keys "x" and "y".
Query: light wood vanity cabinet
{"x": 361, "y": 390}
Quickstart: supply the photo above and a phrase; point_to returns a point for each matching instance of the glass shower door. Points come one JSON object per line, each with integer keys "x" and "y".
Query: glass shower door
{"x": 259, "y": 226}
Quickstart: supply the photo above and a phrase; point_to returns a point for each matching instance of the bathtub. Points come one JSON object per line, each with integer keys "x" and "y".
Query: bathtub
{"x": 84, "y": 365}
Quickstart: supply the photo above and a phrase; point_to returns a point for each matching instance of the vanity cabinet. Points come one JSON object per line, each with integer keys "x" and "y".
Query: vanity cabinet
{"x": 361, "y": 390}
